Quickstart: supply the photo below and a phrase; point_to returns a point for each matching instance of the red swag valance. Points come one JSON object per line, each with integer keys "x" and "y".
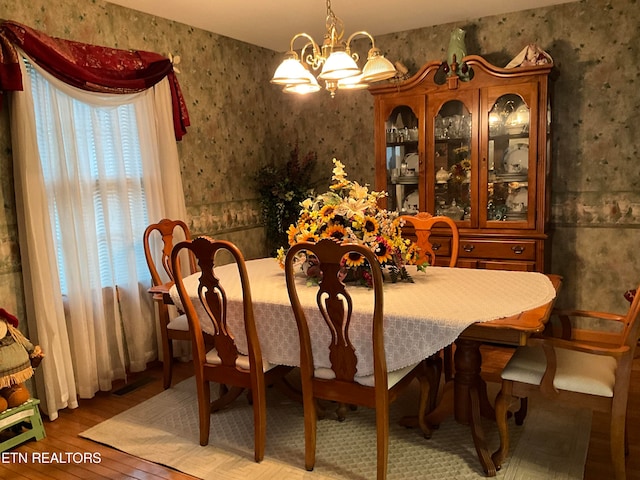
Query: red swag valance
{"x": 89, "y": 67}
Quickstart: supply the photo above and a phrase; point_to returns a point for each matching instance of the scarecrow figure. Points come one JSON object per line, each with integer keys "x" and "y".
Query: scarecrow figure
{"x": 18, "y": 358}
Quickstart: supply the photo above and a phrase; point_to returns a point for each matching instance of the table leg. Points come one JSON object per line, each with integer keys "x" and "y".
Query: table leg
{"x": 468, "y": 364}
{"x": 466, "y": 397}
{"x": 470, "y": 398}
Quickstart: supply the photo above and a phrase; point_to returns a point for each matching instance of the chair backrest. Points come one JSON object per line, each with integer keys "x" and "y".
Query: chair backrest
{"x": 170, "y": 232}
{"x": 212, "y": 301}
{"x": 423, "y": 222}
{"x": 335, "y": 305}
{"x": 631, "y": 330}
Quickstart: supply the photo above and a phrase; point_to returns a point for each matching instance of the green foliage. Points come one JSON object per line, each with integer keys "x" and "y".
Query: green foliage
{"x": 399, "y": 274}
{"x": 281, "y": 189}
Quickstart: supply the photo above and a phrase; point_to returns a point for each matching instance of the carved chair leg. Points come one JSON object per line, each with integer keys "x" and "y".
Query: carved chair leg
{"x": 341, "y": 411}
{"x": 447, "y": 353}
{"x": 433, "y": 370}
{"x": 225, "y": 399}
{"x": 502, "y": 409}
{"x": 167, "y": 346}
{"x": 617, "y": 446}
{"x": 311, "y": 408}
{"x": 260, "y": 426}
{"x": 382, "y": 440}
{"x": 521, "y": 414}
{"x": 167, "y": 363}
{"x": 321, "y": 412}
{"x": 204, "y": 411}
{"x": 425, "y": 396}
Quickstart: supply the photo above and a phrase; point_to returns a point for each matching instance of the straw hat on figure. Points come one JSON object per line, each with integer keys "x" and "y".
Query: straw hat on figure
{"x": 18, "y": 358}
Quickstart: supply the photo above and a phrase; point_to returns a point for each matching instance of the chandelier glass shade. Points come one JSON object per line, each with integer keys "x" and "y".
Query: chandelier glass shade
{"x": 337, "y": 64}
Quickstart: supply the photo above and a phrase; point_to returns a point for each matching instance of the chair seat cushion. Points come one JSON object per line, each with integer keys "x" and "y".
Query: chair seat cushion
{"x": 368, "y": 380}
{"x": 179, "y": 323}
{"x": 576, "y": 371}
{"x": 242, "y": 361}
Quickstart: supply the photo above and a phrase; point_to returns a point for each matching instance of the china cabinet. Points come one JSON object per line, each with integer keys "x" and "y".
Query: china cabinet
{"x": 475, "y": 148}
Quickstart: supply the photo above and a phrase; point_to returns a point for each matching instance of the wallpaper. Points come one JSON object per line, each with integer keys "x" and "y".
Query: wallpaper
{"x": 240, "y": 122}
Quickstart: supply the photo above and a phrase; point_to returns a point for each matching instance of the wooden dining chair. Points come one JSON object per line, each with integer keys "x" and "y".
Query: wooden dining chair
{"x": 423, "y": 223}
{"x": 159, "y": 263}
{"x": 224, "y": 363}
{"x": 577, "y": 372}
{"x": 339, "y": 381}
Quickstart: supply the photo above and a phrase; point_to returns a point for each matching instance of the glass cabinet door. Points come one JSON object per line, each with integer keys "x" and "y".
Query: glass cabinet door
{"x": 453, "y": 176}
{"x": 510, "y": 167}
{"x": 402, "y": 160}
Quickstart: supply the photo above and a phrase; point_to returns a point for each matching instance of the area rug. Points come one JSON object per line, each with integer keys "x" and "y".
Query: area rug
{"x": 552, "y": 444}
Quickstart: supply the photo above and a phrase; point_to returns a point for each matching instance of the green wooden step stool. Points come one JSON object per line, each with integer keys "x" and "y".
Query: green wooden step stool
{"x": 28, "y": 412}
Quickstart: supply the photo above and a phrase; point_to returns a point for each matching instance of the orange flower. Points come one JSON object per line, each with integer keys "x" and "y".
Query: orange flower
{"x": 308, "y": 237}
{"x": 383, "y": 251}
{"x": 335, "y": 231}
{"x": 370, "y": 225}
{"x": 327, "y": 212}
{"x": 354, "y": 260}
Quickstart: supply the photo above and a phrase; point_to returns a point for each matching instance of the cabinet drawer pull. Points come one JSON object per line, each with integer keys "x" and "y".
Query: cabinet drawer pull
{"x": 436, "y": 246}
{"x": 467, "y": 247}
{"x": 518, "y": 249}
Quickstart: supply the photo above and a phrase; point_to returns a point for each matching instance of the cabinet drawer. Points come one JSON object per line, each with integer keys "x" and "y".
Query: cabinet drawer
{"x": 507, "y": 249}
{"x": 507, "y": 265}
{"x": 441, "y": 246}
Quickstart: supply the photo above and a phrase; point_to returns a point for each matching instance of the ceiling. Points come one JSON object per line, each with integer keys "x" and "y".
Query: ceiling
{"x": 272, "y": 23}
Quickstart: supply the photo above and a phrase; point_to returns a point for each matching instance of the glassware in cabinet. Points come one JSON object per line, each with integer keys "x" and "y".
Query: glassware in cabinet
{"x": 402, "y": 160}
{"x": 452, "y": 161}
{"x": 510, "y": 157}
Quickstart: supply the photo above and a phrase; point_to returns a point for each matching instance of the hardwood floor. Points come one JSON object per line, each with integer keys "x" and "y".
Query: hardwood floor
{"x": 63, "y": 440}
{"x": 62, "y": 437}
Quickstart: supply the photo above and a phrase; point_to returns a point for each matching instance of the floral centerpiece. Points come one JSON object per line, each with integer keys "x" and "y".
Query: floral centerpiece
{"x": 349, "y": 212}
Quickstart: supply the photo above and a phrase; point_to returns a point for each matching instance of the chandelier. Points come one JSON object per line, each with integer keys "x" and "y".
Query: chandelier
{"x": 339, "y": 66}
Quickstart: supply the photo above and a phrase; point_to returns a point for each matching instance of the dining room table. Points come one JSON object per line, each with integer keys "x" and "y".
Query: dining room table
{"x": 438, "y": 307}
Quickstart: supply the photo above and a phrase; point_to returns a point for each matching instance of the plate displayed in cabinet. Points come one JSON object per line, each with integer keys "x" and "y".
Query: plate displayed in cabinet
{"x": 412, "y": 160}
{"x": 410, "y": 203}
{"x": 407, "y": 180}
{"x": 517, "y": 200}
{"x": 511, "y": 177}
{"x": 516, "y": 159}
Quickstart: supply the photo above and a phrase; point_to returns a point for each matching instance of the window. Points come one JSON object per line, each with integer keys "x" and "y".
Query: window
{"x": 96, "y": 173}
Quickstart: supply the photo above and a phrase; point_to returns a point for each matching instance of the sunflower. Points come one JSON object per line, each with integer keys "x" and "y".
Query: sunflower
{"x": 307, "y": 237}
{"x": 337, "y": 232}
{"x": 291, "y": 234}
{"x": 370, "y": 225}
{"x": 383, "y": 251}
{"x": 327, "y": 212}
{"x": 354, "y": 259}
{"x": 413, "y": 253}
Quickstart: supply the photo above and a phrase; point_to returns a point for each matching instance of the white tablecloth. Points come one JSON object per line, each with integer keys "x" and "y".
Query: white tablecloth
{"x": 420, "y": 318}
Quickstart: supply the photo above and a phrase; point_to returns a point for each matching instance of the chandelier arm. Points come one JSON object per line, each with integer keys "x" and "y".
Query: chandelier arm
{"x": 316, "y": 49}
{"x": 312, "y": 58}
{"x": 361, "y": 32}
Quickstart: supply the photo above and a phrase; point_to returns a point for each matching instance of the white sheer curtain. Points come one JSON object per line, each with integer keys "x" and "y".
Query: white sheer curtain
{"x": 90, "y": 331}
